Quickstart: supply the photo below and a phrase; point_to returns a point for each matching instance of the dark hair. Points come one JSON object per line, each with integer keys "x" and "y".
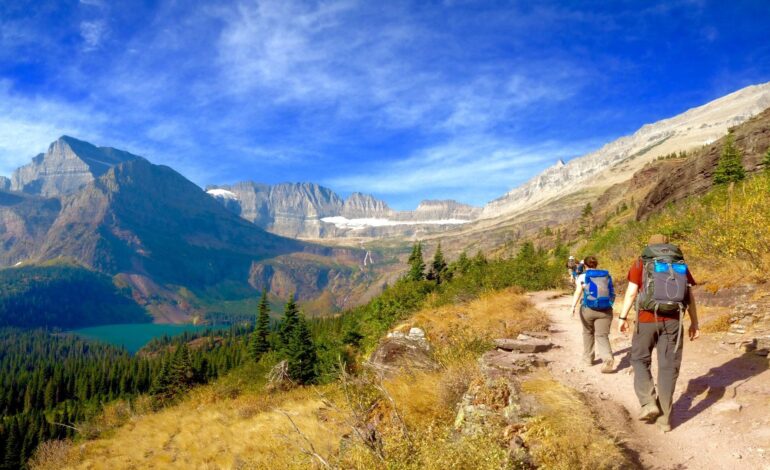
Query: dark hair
{"x": 591, "y": 261}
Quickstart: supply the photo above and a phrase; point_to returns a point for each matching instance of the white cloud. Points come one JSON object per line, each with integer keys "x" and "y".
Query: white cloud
{"x": 92, "y": 33}
{"x": 485, "y": 164}
{"x": 28, "y": 125}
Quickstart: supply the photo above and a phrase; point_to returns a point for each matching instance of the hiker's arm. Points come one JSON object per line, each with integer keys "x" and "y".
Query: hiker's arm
{"x": 628, "y": 302}
{"x": 576, "y": 297}
{"x": 692, "y": 310}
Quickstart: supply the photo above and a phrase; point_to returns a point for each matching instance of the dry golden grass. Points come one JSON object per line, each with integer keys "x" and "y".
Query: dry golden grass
{"x": 232, "y": 424}
{"x": 248, "y": 431}
{"x": 461, "y": 332}
{"x": 565, "y": 435}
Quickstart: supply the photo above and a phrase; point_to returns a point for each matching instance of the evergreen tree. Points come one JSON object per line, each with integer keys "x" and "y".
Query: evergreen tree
{"x": 13, "y": 445}
{"x": 766, "y": 161}
{"x": 588, "y": 210}
{"x": 181, "y": 369}
{"x": 301, "y": 354}
{"x": 730, "y": 165}
{"x": 463, "y": 263}
{"x": 416, "y": 264}
{"x": 288, "y": 323}
{"x": 259, "y": 341}
{"x": 438, "y": 268}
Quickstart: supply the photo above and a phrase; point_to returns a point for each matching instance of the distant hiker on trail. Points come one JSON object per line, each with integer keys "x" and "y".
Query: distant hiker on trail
{"x": 660, "y": 282}
{"x": 580, "y": 268}
{"x": 572, "y": 269}
{"x": 595, "y": 294}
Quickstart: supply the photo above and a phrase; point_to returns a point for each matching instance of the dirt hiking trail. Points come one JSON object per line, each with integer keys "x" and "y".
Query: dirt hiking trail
{"x": 721, "y": 416}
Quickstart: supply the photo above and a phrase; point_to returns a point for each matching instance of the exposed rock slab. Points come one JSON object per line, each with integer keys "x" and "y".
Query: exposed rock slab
{"x": 524, "y": 344}
{"x": 399, "y": 351}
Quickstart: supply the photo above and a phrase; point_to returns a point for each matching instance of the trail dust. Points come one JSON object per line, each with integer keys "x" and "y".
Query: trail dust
{"x": 721, "y": 417}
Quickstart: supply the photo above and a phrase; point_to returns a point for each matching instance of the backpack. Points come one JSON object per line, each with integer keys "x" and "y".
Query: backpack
{"x": 598, "y": 291}
{"x": 664, "y": 286}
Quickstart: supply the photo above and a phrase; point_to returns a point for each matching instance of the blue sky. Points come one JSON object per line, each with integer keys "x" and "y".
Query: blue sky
{"x": 405, "y": 100}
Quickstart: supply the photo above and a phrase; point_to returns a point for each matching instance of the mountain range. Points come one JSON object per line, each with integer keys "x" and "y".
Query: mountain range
{"x": 311, "y": 211}
{"x": 182, "y": 253}
{"x": 175, "y": 247}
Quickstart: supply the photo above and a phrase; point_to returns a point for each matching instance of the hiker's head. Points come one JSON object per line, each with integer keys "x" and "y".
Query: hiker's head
{"x": 658, "y": 239}
{"x": 572, "y": 257}
{"x": 592, "y": 262}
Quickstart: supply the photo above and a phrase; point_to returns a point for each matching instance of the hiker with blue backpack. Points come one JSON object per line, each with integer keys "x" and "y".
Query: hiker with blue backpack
{"x": 660, "y": 284}
{"x": 595, "y": 294}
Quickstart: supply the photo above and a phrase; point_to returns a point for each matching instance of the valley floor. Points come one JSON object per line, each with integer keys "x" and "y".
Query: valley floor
{"x": 721, "y": 416}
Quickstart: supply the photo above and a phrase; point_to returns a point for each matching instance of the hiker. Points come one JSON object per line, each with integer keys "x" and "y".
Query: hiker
{"x": 660, "y": 282}
{"x": 595, "y": 294}
{"x": 572, "y": 269}
{"x": 580, "y": 268}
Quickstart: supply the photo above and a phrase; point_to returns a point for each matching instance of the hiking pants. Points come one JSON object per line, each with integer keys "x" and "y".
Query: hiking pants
{"x": 663, "y": 336}
{"x": 596, "y": 329}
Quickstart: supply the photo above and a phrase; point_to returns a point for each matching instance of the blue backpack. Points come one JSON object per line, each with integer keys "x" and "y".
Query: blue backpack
{"x": 598, "y": 291}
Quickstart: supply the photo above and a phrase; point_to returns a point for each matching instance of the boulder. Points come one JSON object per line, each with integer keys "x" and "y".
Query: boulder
{"x": 403, "y": 351}
{"x": 524, "y": 344}
{"x": 498, "y": 363}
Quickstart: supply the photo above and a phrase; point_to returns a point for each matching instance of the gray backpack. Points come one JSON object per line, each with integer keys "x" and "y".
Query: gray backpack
{"x": 664, "y": 288}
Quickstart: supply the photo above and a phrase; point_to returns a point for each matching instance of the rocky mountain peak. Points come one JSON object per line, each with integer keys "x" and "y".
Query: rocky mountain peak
{"x": 617, "y": 161}
{"x": 67, "y": 166}
{"x": 360, "y": 205}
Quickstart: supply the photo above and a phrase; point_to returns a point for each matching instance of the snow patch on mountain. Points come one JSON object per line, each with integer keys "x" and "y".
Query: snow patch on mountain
{"x": 223, "y": 193}
{"x": 362, "y": 223}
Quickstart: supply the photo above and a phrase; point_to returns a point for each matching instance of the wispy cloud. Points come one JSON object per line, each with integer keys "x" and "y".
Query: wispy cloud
{"x": 93, "y": 33}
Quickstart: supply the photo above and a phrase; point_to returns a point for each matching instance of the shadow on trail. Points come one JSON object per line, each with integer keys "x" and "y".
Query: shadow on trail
{"x": 625, "y": 361}
{"x": 715, "y": 383}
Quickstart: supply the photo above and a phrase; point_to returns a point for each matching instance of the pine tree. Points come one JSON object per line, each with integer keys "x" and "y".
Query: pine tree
{"x": 463, "y": 263}
{"x": 258, "y": 342}
{"x": 13, "y": 445}
{"x": 288, "y": 323}
{"x": 588, "y": 210}
{"x": 438, "y": 268}
{"x": 181, "y": 369}
{"x": 730, "y": 166}
{"x": 301, "y": 354}
{"x": 416, "y": 264}
{"x": 766, "y": 161}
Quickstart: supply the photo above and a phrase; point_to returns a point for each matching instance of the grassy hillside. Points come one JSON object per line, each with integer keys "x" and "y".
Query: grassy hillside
{"x": 725, "y": 234}
{"x": 235, "y": 424}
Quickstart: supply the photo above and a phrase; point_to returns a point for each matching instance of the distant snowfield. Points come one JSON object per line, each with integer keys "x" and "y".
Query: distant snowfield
{"x": 222, "y": 193}
{"x": 358, "y": 224}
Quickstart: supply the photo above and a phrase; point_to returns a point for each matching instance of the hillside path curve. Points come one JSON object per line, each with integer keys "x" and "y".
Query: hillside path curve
{"x": 721, "y": 417}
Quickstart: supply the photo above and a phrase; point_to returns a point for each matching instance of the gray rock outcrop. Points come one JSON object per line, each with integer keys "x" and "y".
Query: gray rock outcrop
{"x": 5, "y": 183}
{"x": 298, "y": 210}
{"x": 67, "y": 166}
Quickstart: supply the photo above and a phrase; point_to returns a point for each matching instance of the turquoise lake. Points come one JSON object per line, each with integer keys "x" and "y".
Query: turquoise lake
{"x": 133, "y": 336}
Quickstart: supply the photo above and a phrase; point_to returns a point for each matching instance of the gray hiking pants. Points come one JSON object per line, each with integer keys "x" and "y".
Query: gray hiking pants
{"x": 596, "y": 330}
{"x": 663, "y": 336}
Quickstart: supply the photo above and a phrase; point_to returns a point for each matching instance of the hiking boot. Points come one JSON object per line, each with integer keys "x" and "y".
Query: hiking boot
{"x": 588, "y": 362}
{"x": 608, "y": 366}
{"x": 663, "y": 424}
{"x": 649, "y": 412}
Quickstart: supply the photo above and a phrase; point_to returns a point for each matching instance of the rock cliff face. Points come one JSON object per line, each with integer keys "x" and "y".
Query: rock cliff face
{"x": 361, "y": 206}
{"x": 307, "y": 210}
{"x": 159, "y": 234}
{"x": 618, "y": 160}
{"x": 5, "y": 183}
{"x": 68, "y": 165}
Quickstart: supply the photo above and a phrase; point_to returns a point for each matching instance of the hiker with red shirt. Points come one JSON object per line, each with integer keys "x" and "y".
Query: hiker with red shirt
{"x": 661, "y": 284}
